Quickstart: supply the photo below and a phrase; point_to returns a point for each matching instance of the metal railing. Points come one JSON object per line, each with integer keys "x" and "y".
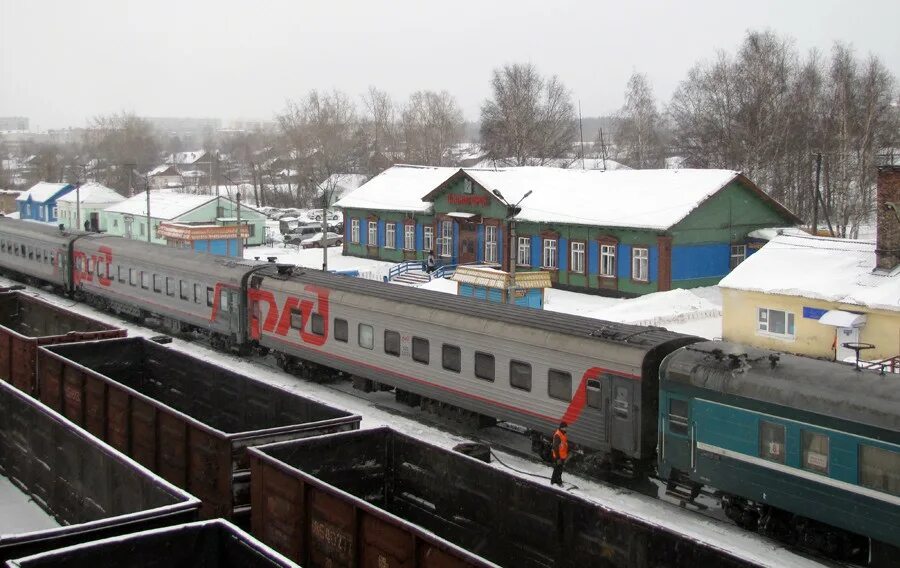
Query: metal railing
{"x": 884, "y": 366}
{"x": 403, "y": 267}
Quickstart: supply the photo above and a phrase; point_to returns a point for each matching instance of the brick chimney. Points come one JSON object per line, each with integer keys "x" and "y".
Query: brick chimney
{"x": 887, "y": 198}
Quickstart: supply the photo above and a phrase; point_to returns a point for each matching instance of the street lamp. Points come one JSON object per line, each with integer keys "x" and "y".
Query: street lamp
{"x": 511, "y": 212}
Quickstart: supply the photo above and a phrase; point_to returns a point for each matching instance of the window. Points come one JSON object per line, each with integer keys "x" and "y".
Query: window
{"x": 576, "y": 263}
{"x": 115, "y": 223}
{"x": 451, "y": 358}
{"x": 738, "y": 255}
{"x": 184, "y": 290}
{"x": 879, "y": 469}
{"x": 520, "y": 375}
{"x": 594, "y": 394}
{"x": 121, "y": 273}
{"x": 198, "y": 294}
{"x": 608, "y": 261}
{"x": 815, "y": 451}
{"x": 446, "y": 238}
{"x": 776, "y": 322}
{"x": 373, "y": 234}
{"x": 157, "y": 283}
{"x": 252, "y": 227}
{"x": 559, "y": 385}
{"x": 210, "y": 296}
{"x": 640, "y": 264}
{"x": 296, "y": 319}
{"x": 390, "y": 235}
{"x": 170, "y": 286}
{"x": 354, "y": 230}
{"x": 145, "y": 280}
{"x": 490, "y": 243}
{"x": 392, "y": 343}
{"x": 225, "y": 302}
{"x": 523, "y": 254}
{"x": 56, "y": 212}
{"x": 409, "y": 237}
{"x": 550, "y": 257}
{"x": 678, "y": 416}
{"x": 428, "y": 238}
{"x": 141, "y": 229}
{"x": 341, "y": 330}
{"x": 484, "y": 366}
{"x": 366, "y": 336}
{"x": 317, "y": 323}
{"x": 420, "y": 352}
{"x": 771, "y": 441}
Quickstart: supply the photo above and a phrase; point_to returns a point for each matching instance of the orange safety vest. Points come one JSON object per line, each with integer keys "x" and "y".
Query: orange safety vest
{"x": 562, "y": 452}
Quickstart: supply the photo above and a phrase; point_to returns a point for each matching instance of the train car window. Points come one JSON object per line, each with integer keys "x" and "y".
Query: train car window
{"x": 132, "y": 276}
{"x": 559, "y": 385}
{"x": 296, "y": 319}
{"x": 879, "y": 469}
{"x": 184, "y": 290}
{"x": 771, "y": 441}
{"x": 815, "y": 451}
{"x": 421, "y": 352}
{"x": 30, "y": 253}
{"x": 341, "y": 330}
{"x": 678, "y": 416}
{"x": 366, "y": 336}
{"x": 52, "y": 258}
{"x": 484, "y": 366}
{"x": 2, "y": 246}
{"x": 101, "y": 268}
{"x": 317, "y": 323}
{"x": 121, "y": 273}
{"x": 170, "y": 286}
{"x": 210, "y": 296}
{"x": 16, "y": 249}
{"x": 157, "y": 283}
{"x": 451, "y": 358}
{"x": 225, "y": 304}
{"x": 392, "y": 343}
{"x": 45, "y": 256}
{"x": 145, "y": 280}
{"x": 198, "y": 294}
{"x": 520, "y": 375}
{"x": 594, "y": 394}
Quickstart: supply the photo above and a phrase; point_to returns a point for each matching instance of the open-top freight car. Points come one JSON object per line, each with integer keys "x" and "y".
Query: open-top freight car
{"x": 208, "y": 544}
{"x": 27, "y": 322}
{"x": 85, "y": 490}
{"x": 378, "y": 497}
{"x": 187, "y": 419}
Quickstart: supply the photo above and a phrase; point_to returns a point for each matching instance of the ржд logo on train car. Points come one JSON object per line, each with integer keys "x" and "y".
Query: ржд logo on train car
{"x": 313, "y": 315}
{"x": 85, "y": 266}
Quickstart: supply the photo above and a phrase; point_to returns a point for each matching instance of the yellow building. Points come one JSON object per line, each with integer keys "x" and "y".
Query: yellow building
{"x": 814, "y": 296}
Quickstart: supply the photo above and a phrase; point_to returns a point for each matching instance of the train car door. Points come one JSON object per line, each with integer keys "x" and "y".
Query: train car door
{"x": 676, "y": 445}
{"x": 623, "y": 418}
{"x": 595, "y": 408}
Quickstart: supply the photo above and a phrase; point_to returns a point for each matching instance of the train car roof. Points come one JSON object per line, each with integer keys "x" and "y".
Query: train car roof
{"x": 32, "y": 228}
{"x": 640, "y": 336}
{"x": 821, "y": 387}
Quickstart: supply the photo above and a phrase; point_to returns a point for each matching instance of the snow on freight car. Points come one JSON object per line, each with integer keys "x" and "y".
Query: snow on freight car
{"x": 27, "y": 322}
{"x": 385, "y": 495}
{"x": 87, "y": 489}
{"x": 210, "y": 544}
{"x": 184, "y": 418}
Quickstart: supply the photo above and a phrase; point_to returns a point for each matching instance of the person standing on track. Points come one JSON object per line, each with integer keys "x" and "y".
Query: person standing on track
{"x": 559, "y": 451}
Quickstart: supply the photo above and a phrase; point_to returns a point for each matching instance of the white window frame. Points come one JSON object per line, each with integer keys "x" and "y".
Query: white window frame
{"x": 372, "y": 234}
{"x": 446, "y": 239}
{"x": 523, "y": 251}
{"x": 428, "y": 238}
{"x": 390, "y": 235}
{"x": 576, "y": 262}
{"x": 738, "y": 255}
{"x": 607, "y": 261}
{"x": 640, "y": 264}
{"x": 550, "y": 254}
{"x": 354, "y": 231}
{"x": 764, "y": 319}
{"x": 409, "y": 237}
{"x": 56, "y": 212}
{"x": 490, "y": 243}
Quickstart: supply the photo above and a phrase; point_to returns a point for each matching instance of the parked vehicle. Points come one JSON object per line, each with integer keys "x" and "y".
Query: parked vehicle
{"x": 298, "y": 234}
{"x": 315, "y": 241}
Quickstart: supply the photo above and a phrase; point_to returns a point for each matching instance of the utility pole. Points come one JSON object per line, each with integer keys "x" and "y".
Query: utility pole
{"x": 815, "y": 217}
{"x": 603, "y": 149}
{"x": 240, "y": 236}
{"x": 512, "y": 211}
{"x": 581, "y": 133}
{"x": 325, "y": 227}
{"x": 147, "y": 187}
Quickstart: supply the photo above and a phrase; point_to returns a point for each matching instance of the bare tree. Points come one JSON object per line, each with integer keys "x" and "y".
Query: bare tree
{"x": 432, "y": 123}
{"x": 529, "y": 119}
{"x": 122, "y": 142}
{"x": 638, "y": 135}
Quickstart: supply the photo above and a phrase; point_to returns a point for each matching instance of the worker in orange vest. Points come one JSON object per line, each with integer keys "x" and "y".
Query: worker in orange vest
{"x": 559, "y": 451}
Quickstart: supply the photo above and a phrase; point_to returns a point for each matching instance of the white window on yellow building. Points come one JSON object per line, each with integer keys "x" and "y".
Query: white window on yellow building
{"x": 775, "y": 322}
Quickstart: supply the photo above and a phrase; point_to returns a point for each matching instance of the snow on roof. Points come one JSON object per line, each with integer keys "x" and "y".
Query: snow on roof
{"x": 651, "y": 199}
{"x": 833, "y": 270}
{"x": 565, "y": 163}
{"x": 343, "y": 183}
{"x": 160, "y": 169}
{"x": 399, "y": 188}
{"x": 163, "y": 204}
{"x": 185, "y": 157}
{"x": 42, "y": 191}
{"x": 92, "y": 192}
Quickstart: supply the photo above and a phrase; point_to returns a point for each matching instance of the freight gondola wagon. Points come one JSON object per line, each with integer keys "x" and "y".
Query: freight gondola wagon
{"x": 187, "y": 419}
{"x": 60, "y": 486}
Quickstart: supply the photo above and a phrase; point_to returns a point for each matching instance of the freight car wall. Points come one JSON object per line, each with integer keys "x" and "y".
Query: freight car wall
{"x": 91, "y": 490}
{"x": 313, "y": 492}
{"x": 208, "y": 544}
{"x": 27, "y": 323}
{"x": 184, "y": 418}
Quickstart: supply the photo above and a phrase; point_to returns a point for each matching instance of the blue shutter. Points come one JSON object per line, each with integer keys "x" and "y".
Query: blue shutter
{"x": 453, "y": 250}
{"x": 623, "y": 261}
{"x": 653, "y": 262}
{"x": 537, "y": 253}
{"x": 379, "y": 234}
{"x": 420, "y": 237}
{"x": 479, "y": 246}
{"x": 363, "y": 232}
{"x": 562, "y": 250}
{"x": 593, "y": 257}
{"x": 501, "y": 248}
{"x": 347, "y": 229}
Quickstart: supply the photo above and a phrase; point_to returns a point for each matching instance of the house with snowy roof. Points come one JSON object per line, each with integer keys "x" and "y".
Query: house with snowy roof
{"x": 164, "y": 176}
{"x": 39, "y": 202}
{"x": 129, "y": 218}
{"x": 823, "y": 297}
{"x": 82, "y": 208}
{"x": 621, "y": 233}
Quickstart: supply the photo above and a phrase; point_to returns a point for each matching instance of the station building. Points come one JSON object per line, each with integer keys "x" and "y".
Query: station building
{"x": 618, "y": 233}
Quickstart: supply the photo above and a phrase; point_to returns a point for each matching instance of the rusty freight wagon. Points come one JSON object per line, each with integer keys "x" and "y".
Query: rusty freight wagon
{"x": 208, "y": 544}
{"x": 27, "y": 323}
{"x": 60, "y": 486}
{"x": 187, "y": 419}
{"x": 375, "y": 494}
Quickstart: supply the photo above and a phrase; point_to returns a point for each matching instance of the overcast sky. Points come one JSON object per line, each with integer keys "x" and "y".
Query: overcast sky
{"x": 62, "y": 62}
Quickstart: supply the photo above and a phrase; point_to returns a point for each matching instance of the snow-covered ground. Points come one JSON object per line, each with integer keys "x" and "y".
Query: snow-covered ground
{"x": 20, "y": 514}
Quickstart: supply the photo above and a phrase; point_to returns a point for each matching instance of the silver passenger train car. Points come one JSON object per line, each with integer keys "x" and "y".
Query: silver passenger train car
{"x": 36, "y": 250}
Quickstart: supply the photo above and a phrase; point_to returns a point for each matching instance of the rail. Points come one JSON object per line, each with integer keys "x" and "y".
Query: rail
{"x": 404, "y": 267}
{"x": 885, "y": 366}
